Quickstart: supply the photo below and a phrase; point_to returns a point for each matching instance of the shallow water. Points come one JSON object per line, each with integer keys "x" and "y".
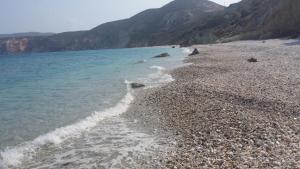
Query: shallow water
{"x": 58, "y": 108}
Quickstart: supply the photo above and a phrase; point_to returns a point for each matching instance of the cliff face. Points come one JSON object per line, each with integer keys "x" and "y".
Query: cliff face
{"x": 17, "y": 45}
{"x": 14, "y": 45}
{"x": 183, "y": 22}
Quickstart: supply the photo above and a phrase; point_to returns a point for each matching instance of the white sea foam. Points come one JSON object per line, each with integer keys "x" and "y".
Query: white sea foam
{"x": 160, "y": 77}
{"x": 13, "y": 157}
{"x": 159, "y": 68}
{"x": 187, "y": 50}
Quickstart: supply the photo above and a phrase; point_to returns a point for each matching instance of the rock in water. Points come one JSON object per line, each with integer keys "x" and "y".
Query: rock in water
{"x": 195, "y": 52}
{"x": 136, "y": 85}
{"x": 140, "y": 61}
{"x": 162, "y": 55}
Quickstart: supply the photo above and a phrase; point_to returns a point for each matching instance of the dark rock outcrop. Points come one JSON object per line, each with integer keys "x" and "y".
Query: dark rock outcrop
{"x": 163, "y": 55}
{"x": 136, "y": 85}
{"x": 195, "y": 52}
{"x": 252, "y": 60}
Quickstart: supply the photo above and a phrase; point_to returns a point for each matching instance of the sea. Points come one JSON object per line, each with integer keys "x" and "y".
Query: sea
{"x": 62, "y": 109}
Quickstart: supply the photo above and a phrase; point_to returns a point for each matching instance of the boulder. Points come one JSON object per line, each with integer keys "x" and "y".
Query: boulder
{"x": 136, "y": 85}
{"x": 162, "y": 55}
{"x": 195, "y": 52}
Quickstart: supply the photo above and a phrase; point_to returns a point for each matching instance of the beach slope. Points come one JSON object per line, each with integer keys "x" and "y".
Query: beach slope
{"x": 227, "y": 112}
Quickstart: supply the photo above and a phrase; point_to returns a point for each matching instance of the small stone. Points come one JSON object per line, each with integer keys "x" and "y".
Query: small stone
{"x": 252, "y": 60}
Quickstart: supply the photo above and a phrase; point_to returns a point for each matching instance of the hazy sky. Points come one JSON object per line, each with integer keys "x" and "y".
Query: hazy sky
{"x": 70, "y": 15}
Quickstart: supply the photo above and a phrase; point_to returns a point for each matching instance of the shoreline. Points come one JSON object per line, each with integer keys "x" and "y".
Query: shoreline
{"x": 224, "y": 112}
{"x": 17, "y": 156}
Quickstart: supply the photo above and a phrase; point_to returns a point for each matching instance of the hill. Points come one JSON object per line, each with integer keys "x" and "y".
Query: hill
{"x": 25, "y": 34}
{"x": 249, "y": 19}
{"x": 151, "y": 27}
{"x": 182, "y": 22}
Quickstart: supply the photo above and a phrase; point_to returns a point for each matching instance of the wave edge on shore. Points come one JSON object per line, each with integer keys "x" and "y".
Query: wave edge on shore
{"x": 14, "y": 156}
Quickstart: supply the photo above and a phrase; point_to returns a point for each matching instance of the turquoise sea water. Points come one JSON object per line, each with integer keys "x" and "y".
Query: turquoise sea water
{"x": 52, "y": 98}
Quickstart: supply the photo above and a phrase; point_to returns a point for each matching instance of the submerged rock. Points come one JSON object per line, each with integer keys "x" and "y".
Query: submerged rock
{"x": 140, "y": 61}
{"x": 136, "y": 85}
{"x": 162, "y": 55}
{"x": 195, "y": 52}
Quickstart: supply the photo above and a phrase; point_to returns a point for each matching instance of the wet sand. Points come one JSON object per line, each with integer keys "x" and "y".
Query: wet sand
{"x": 225, "y": 112}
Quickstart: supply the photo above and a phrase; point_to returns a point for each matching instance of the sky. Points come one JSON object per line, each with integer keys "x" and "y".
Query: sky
{"x": 70, "y": 15}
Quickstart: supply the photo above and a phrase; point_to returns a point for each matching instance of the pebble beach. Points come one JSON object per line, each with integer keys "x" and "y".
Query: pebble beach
{"x": 223, "y": 111}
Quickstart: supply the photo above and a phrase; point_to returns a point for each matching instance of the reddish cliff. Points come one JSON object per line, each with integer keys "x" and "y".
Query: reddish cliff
{"x": 15, "y": 45}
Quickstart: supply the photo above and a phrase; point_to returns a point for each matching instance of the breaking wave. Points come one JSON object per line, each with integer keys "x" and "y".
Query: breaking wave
{"x": 12, "y": 157}
{"x": 187, "y": 50}
{"x": 160, "y": 77}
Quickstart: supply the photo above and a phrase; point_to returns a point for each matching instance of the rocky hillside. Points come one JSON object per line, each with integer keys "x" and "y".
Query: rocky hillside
{"x": 150, "y": 27}
{"x": 249, "y": 19}
{"x": 260, "y": 19}
{"x": 183, "y": 22}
